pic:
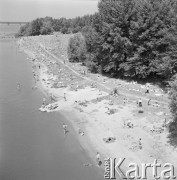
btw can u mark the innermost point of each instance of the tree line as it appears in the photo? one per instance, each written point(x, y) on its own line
point(126, 38)
point(135, 38)
point(48, 25)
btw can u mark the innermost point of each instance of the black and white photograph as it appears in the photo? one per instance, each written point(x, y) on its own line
point(88, 89)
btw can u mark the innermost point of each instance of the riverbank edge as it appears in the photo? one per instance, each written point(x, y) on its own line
point(70, 116)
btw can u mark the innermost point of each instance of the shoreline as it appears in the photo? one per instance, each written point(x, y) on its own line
point(91, 114)
point(70, 115)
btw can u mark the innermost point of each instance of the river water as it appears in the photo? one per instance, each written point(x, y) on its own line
point(32, 144)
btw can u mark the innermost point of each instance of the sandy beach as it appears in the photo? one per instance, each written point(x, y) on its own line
point(106, 122)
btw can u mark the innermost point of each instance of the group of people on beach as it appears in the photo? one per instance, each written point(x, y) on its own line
point(65, 129)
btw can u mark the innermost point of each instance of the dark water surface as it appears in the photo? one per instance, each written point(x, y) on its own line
point(32, 143)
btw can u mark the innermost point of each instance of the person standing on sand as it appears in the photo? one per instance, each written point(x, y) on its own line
point(164, 123)
point(65, 128)
point(147, 90)
point(140, 103)
point(98, 158)
point(44, 101)
point(51, 98)
point(64, 96)
point(149, 102)
point(140, 144)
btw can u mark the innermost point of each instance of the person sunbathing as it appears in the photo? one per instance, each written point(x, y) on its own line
point(109, 139)
point(129, 124)
point(81, 132)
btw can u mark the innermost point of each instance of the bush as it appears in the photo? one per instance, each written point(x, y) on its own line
point(46, 30)
point(77, 48)
point(64, 30)
point(76, 29)
point(89, 62)
point(92, 66)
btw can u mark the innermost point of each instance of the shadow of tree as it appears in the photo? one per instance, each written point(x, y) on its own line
point(155, 80)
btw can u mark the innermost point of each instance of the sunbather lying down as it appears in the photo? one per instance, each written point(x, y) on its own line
point(111, 111)
point(156, 104)
point(157, 129)
point(128, 124)
point(109, 139)
point(54, 106)
point(81, 132)
point(48, 107)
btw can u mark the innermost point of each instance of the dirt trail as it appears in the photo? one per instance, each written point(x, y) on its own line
point(93, 81)
point(88, 79)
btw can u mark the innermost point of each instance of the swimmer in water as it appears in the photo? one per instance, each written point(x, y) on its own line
point(18, 87)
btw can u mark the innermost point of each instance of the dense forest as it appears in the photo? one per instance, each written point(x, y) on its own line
point(126, 38)
point(48, 25)
point(134, 38)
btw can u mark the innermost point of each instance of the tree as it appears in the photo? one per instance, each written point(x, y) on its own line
point(34, 27)
point(153, 36)
point(77, 48)
point(115, 45)
point(137, 38)
point(47, 26)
